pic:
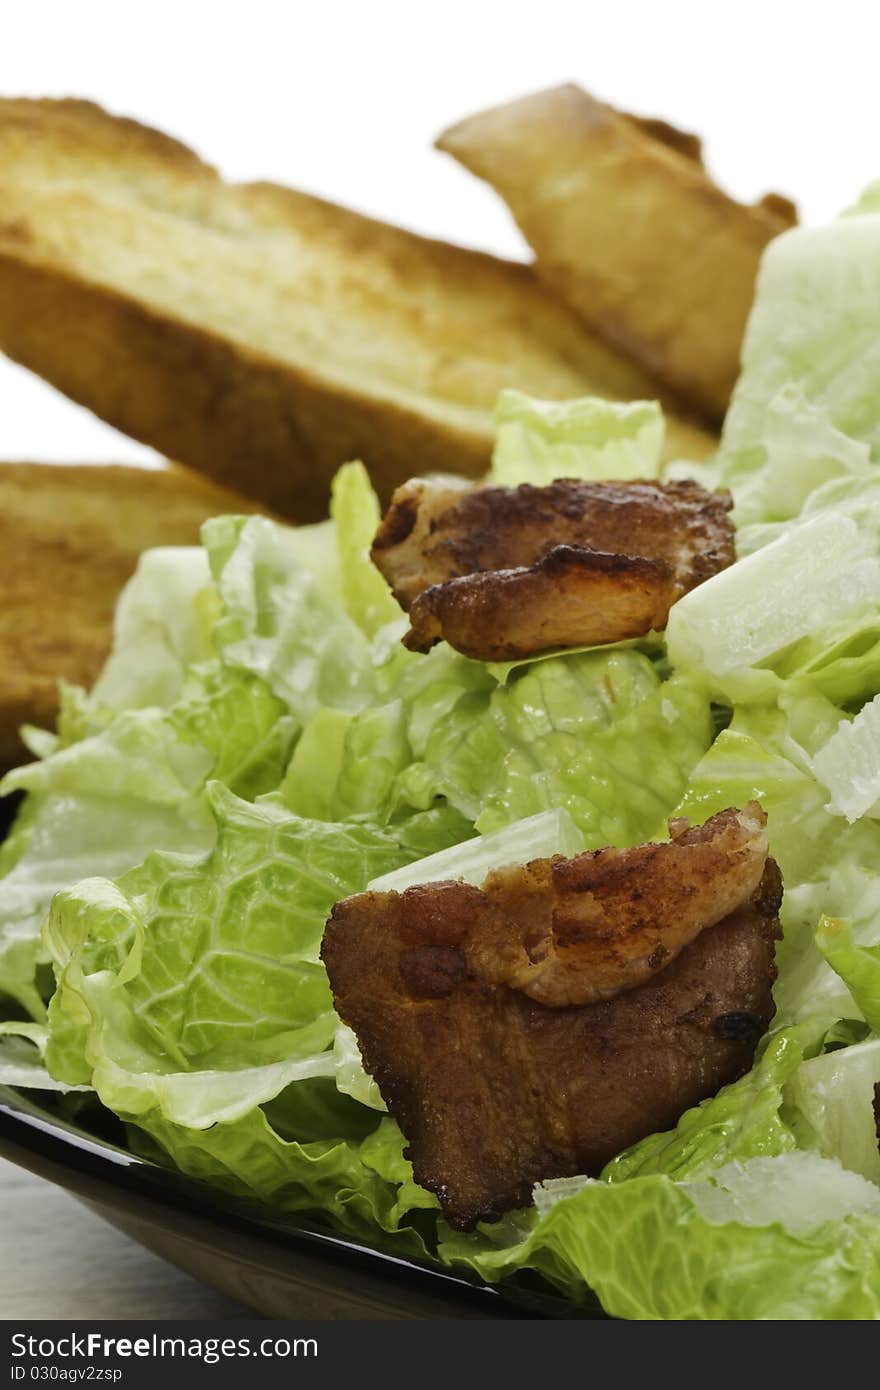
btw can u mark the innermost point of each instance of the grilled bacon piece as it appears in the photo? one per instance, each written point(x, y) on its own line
point(503, 573)
point(537, 1026)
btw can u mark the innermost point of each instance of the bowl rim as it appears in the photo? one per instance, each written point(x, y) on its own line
point(98, 1170)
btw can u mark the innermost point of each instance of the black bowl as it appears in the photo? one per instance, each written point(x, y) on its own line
point(255, 1255)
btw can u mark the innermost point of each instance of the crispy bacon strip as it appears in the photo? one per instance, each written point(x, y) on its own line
point(573, 931)
point(536, 1027)
point(502, 573)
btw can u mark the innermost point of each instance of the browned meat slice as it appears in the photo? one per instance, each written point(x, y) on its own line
point(502, 573)
point(573, 931)
point(435, 532)
point(536, 1027)
point(572, 598)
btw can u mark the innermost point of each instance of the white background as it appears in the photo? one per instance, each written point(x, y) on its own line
point(344, 99)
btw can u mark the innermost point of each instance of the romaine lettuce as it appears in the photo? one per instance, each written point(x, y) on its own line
point(99, 805)
point(260, 745)
point(815, 325)
point(817, 573)
point(834, 1093)
point(735, 1214)
point(163, 626)
point(282, 617)
point(849, 764)
point(191, 999)
point(354, 508)
point(600, 734)
point(538, 441)
point(652, 1248)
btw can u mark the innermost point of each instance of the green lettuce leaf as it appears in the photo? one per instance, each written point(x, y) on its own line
point(342, 1182)
point(536, 837)
point(345, 766)
point(191, 998)
point(855, 961)
point(828, 865)
point(355, 509)
point(575, 732)
point(813, 325)
point(97, 806)
point(282, 613)
point(351, 1078)
point(212, 963)
point(791, 1237)
point(842, 662)
point(743, 1121)
point(820, 572)
point(840, 655)
point(849, 764)
point(163, 625)
point(802, 451)
point(834, 1093)
point(100, 805)
point(22, 1053)
point(538, 441)
point(239, 722)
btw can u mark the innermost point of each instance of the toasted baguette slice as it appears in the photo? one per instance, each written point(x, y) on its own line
point(630, 230)
point(70, 536)
point(686, 142)
point(259, 334)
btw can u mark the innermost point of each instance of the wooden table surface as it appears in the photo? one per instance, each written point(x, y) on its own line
point(59, 1260)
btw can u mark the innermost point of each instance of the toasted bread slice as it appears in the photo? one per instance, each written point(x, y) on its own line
point(261, 335)
point(630, 230)
point(70, 536)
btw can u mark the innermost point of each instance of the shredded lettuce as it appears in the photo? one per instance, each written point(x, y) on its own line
point(538, 441)
point(281, 613)
point(834, 1093)
point(813, 575)
point(849, 764)
point(600, 734)
point(260, 745)
point(355, 510)
point(814, 326)
point(163, 626)
point(652, 1248)
point(22, 1054)
point(536, 837)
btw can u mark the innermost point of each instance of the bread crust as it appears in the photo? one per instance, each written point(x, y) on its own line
point(129, 272)
point(630, 230)
point(70, 537)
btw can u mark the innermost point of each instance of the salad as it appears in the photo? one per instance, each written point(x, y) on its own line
point(261, 745)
